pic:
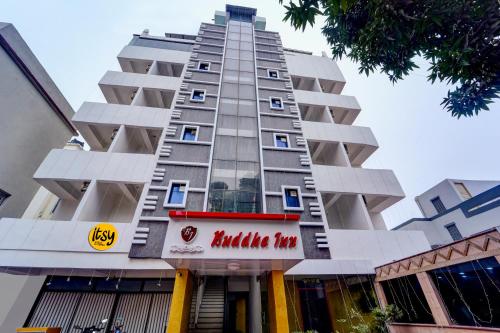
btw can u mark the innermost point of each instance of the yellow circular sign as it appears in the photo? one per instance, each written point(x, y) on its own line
point(103, 236)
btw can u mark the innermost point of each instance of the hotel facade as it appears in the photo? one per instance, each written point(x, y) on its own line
point(223, 192)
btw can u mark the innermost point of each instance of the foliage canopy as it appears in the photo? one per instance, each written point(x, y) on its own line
point(459, 38)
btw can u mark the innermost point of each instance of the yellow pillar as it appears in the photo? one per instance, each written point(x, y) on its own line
point(278, 315)
point(241, 317)
point(180, 307)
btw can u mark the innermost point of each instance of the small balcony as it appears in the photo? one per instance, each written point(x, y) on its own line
point(324, 69)
point(315, 113)
point(380, 188)
point(305, 83)
point(135, 140)
point(99, 122)
point(326, 139)
point(110, 202)
point(64, 172)
point(139, 89)
point(344, 109)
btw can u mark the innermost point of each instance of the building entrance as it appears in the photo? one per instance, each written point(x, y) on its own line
point(224, 304)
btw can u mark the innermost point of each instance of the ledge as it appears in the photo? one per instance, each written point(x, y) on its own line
point(233, 216)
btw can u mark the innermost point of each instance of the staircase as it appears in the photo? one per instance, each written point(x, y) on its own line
point(211, 314)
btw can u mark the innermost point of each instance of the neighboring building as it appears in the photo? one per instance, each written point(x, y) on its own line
point(456, 208)
point(223, 191)
point(453, 288)
point(34, 118)
point(18, 290)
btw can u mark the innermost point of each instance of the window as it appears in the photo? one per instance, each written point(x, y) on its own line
point(276, 103)
point(292, 198)
point(176, 194)
point(281, 140)
point(204, 66)
point(189, 133)
point(3, 196)
point(463, 191)
point(438, 204)
point(198, 95)
point(272, 73)
point(453, 231)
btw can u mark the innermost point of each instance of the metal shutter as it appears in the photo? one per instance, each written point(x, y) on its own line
point(55, 309)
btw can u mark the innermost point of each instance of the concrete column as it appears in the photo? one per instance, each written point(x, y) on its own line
point(278, 315)
point(178, 319)
point(434, 300)
point(255, 305)
point(379, 291)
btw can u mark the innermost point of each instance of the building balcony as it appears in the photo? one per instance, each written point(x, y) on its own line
point(133, 58)
point(359, 142)
point(139, 89)
point(379, 188)
point(98, 122)
point(67, 172)
point(344, 109)
point(327, 72)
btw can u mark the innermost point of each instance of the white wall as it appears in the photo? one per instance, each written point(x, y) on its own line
point(29, 128)
point(437, 234)
point(360, 251)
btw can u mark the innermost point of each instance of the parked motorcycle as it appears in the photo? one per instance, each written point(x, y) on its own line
point(118, 326)
point(93, 328)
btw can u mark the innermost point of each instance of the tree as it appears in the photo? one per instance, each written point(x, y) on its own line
point(459, 38)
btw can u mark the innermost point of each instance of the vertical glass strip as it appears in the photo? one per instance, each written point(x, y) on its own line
point(235, 176)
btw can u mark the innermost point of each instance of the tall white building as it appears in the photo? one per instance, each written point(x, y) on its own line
point(225, 173)
point(455, 209)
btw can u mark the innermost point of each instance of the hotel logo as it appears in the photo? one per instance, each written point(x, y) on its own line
point(188, 233)
point(103, 236)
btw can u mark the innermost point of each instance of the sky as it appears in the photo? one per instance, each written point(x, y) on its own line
point(77, 42)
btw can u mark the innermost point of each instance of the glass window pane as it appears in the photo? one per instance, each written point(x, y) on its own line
point(248, 176)
point(233, 44)
point(230, 76)
point(234, 28)
point(246, 37)
point(247, 46)
point(229, 90)
point(225, 148)
point(246, 91)
point(223, 175)
point(247, 127)
point(247, 108)
point(281, 141)
point(233, 36)
point(177, 194)
point(292, 198)
point(247, 78)
point(189, 134)
point(227, 125)
point(231, 64)
point(246, 55)
point(248, 149)
point(246, 30)
point(247, 66)
point(235, 54)
point(228, 106)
